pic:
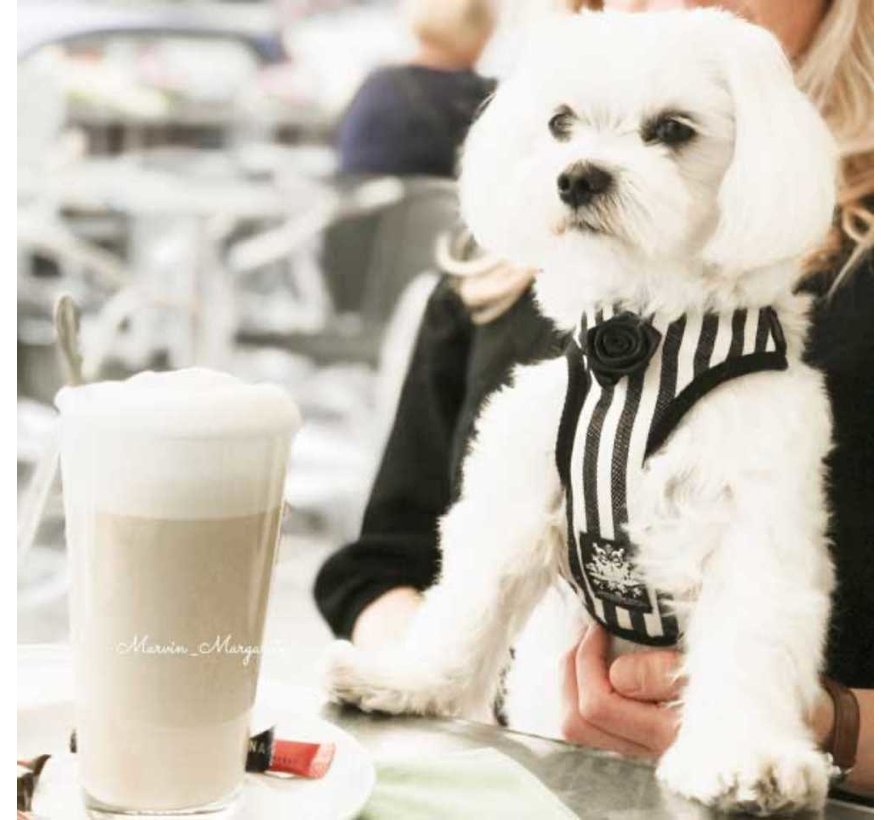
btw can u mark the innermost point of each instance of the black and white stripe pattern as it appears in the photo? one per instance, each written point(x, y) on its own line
point(607, 433)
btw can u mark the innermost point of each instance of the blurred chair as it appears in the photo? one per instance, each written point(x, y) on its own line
point(377, 263)
point(368, 257)
point(370, 261)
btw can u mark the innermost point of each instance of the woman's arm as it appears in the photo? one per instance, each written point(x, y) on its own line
point(397, 547)
point(386, 618)
point(365, 590)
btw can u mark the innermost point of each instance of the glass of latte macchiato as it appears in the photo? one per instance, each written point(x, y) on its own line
point(173, 487)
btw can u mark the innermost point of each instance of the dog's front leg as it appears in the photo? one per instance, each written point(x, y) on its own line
point(497, 559)
point(754, 646)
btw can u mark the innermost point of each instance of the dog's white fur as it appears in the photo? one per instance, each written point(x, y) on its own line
point(729, 517)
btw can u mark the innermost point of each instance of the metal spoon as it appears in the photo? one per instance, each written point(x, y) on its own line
point(66, 317)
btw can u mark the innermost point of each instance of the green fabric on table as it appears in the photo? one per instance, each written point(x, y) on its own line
point(479, 783)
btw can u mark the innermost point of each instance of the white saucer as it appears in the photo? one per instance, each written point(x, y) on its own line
point(339, 795)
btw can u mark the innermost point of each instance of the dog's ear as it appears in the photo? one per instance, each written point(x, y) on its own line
point(484, 160)
point(777, 197)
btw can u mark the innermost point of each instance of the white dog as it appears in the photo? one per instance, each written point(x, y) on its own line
point(666, 176)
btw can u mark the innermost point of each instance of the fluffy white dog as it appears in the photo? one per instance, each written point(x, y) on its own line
point(664, 477)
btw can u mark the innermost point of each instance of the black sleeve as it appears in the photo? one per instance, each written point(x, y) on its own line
point(842, 346)
point(397, 545)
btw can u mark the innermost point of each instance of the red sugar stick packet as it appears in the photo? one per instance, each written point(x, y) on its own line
point(311, 760)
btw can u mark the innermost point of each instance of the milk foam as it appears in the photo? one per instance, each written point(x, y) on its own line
point(186, 444)
point(194, 401)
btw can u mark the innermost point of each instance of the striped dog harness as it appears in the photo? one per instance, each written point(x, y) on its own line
point(631, 382)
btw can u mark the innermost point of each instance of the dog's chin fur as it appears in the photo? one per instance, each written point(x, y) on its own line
point(729, 516)
point(588, 270)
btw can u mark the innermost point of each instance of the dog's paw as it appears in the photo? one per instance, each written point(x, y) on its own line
point(349, 678)
point(779, 777)
point(384, 681)
point(341, 678)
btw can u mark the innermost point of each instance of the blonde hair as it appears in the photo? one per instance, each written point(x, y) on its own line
point(837, 73)
point(459, 26)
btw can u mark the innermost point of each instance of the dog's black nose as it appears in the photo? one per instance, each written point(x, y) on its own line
point(581, 182)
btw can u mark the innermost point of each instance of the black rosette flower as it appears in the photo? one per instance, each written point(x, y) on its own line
point(620, 346)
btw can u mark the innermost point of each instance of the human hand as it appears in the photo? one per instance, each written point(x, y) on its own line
point(386, 618)
point(623, 706)
point(492, 293)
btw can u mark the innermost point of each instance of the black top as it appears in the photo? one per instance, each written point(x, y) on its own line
point(408, 120)
point(842, 346)
point(455, 365)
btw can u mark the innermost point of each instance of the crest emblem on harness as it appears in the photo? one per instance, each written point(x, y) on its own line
point(611, 573)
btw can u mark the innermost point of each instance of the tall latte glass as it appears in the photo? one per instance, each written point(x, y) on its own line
point(173, 490)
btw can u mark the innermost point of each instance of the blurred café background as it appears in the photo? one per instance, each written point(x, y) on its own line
point(177, 177)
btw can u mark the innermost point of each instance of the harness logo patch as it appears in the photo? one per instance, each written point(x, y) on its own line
point(611, 573)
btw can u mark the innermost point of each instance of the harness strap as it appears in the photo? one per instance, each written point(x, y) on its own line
point(667, 419)
point(578, 385)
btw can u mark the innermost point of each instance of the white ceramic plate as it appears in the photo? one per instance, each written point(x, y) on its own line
point(339, 795)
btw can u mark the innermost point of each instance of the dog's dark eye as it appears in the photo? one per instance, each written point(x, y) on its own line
point(560, 124)
point(668, 130)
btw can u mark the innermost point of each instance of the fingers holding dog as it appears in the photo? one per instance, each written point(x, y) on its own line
point(595, 714)
point(652, 676)
point(577, 729)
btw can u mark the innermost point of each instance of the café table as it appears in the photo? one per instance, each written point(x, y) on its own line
point(593, 784)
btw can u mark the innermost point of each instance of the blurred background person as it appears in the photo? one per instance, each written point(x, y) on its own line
point(410, 119)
